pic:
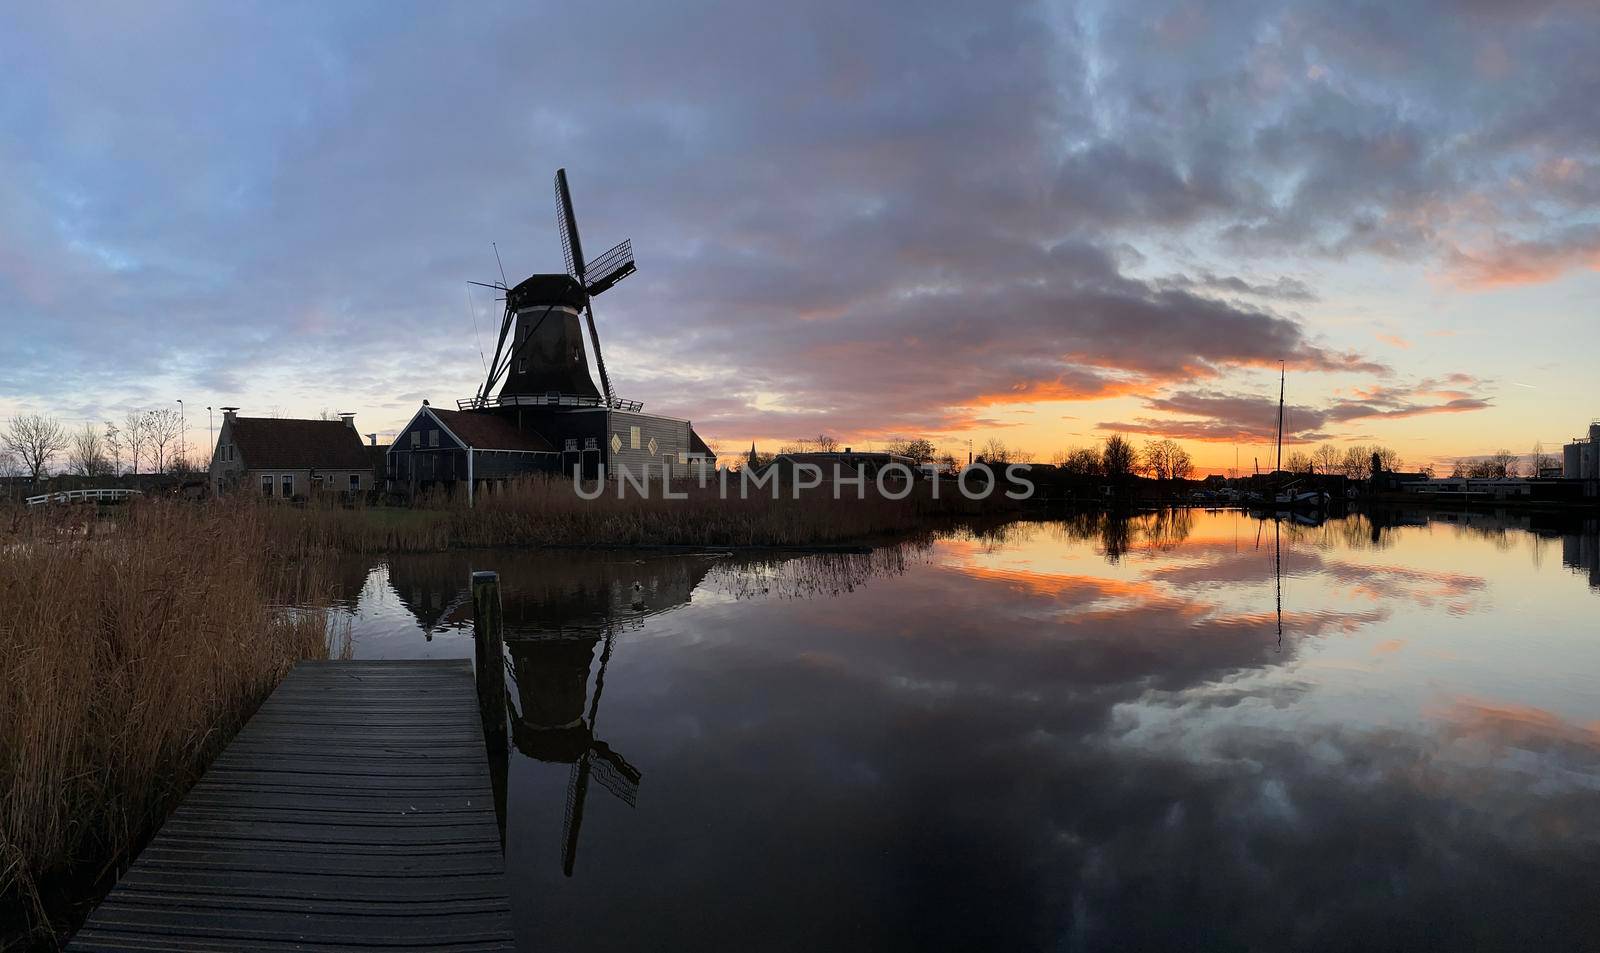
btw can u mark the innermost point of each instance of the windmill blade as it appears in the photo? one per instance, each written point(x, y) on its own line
point(577, 789)
point(567, 225)
point(615, 774)
point(599, 362)
point(610, 268)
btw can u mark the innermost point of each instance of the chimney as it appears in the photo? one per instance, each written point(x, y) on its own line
point(349, 419)
point(230, 414)
point(846, 449)
point(373, 438)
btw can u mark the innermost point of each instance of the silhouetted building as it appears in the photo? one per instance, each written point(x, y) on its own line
point(1580, 459)
point(284, 458)
point(547, 416)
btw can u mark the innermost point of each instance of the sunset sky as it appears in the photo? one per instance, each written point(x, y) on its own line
point(1037, 223)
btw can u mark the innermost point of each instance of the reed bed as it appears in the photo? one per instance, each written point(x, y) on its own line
point(547, 512)
point(130, 653)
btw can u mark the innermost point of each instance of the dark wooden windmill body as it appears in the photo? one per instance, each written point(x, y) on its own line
point(540, 352)
point(552, 416)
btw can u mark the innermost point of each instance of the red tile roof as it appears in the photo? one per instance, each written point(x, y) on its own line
point(482, 431)
point(285, 444)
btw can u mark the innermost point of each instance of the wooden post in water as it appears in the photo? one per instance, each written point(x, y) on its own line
point(489, 663)
point(488, 643)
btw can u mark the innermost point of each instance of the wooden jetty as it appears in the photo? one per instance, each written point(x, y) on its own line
point(353, 811)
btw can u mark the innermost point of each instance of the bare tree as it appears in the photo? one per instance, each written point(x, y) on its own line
point(825, 443)
point(996, 451)
point(136, 437)
point(35, 440)
point(1166, 460)
point(87, 456)
point(1503, 463)
point(1542, 462)
point(1356, 462)
point(162, 427)
point(10, 469)
point(113, 444)
point(1118, 458)
point(1182, 465)
point(1081, 462)
point(920, 450)
point(1300, 462)
point(1326, 458)
point(1462, 468)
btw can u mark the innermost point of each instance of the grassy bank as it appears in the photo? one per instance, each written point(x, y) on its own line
point(539, 512)
point(130, 652)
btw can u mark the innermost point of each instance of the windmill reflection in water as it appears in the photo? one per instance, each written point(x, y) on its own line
point(549, 721)
point(551, 640)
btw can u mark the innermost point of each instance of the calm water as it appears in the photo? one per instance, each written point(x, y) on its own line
point(1082, 735)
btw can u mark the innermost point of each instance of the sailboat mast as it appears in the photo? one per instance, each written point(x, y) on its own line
point(1280, 416)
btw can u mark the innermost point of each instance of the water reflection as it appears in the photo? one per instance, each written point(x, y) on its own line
point(1581, 552)
point(549, 723)
point(1196, 730)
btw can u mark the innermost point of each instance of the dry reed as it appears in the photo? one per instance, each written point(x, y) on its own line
point(130, 652)
point(546, 512)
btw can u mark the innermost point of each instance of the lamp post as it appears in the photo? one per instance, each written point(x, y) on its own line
point(182, 433)
point(211, 436)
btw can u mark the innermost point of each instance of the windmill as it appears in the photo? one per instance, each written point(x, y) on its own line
point(546, 356)
point(559, 668)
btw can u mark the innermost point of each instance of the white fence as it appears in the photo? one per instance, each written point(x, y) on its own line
point(83, 496)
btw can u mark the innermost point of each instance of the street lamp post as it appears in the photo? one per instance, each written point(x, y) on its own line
point(211, 436)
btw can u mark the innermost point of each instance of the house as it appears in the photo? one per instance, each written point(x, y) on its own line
point(442, 448)
point(283, 458)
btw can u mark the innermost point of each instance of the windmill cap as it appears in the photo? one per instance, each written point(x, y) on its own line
point(545, 290)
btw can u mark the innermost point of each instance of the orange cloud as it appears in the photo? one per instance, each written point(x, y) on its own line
point(1524, 263)
point(1087, 388)
point(1395, 340)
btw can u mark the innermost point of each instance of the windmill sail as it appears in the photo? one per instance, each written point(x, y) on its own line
point(572, 250)
point(610, 268)
point(614, 773)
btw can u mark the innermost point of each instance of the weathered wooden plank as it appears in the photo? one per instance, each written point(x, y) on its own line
point(309, 887)
point(353, 812)
point(343, 906)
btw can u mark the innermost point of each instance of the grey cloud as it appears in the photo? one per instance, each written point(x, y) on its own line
point(889, 218)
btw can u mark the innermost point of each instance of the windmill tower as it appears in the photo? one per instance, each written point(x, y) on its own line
point(539, 357)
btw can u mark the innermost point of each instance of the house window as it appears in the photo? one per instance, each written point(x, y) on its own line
point(355, 482)
point(522, 365)
point(286, 486)
point(433, 438)
point(416, 438)
point(266, 485)
point(570, 445)
point(633, 438)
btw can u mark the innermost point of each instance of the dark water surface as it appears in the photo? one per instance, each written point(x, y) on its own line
point(1085, 735)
